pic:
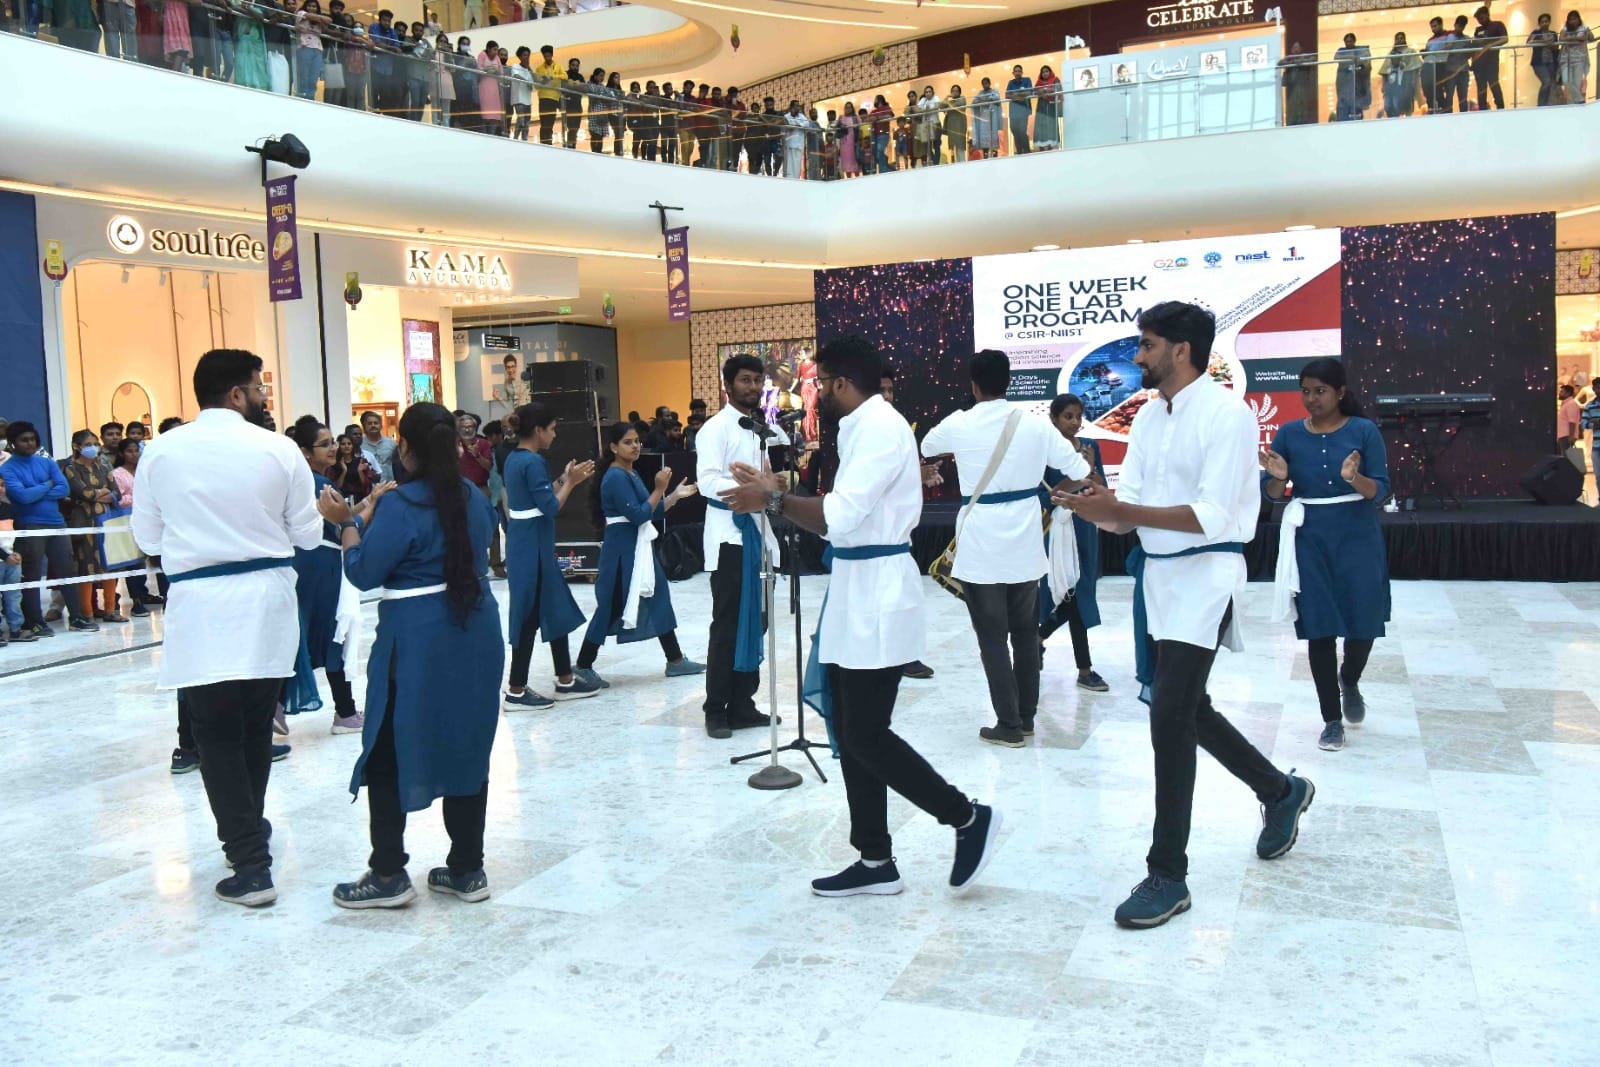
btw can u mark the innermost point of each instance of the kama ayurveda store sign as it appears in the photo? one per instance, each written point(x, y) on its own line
point(460, 269)
point(1200, 14)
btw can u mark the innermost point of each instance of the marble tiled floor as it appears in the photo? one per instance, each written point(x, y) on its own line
point(1442, 907)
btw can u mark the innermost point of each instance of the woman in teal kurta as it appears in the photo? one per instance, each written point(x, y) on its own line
point(540, 600)
point(434, 672)
point(627, 509)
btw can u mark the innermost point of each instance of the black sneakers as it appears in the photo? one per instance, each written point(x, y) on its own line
point(717, 727)
point(471, 887)
point(1005, 736)
point(974, 845)
point(1355, 706)
point(185, 760)
point(252, 889)
point(858, 878)
point(749, 719)
point(916, 669)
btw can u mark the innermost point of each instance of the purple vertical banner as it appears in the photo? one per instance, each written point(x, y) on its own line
point(678, 273)
point(283, 242)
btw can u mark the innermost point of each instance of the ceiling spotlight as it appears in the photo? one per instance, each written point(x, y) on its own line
point(1136, 240)
point(288, 150)
point(1298, 227)
point(1044, 248)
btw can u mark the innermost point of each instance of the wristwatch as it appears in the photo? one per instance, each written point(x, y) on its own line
point(775, 502)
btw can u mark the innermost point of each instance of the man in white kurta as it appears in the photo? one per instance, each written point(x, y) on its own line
point(873, 620)
point(1189, 486)
point(224, 504)
point(722, 442)
point(1000, 553)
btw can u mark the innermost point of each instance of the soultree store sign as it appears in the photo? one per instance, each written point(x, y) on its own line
point(1200, 14)
point(128, 236)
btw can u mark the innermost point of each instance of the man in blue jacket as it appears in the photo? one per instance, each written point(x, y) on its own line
point(36, 487)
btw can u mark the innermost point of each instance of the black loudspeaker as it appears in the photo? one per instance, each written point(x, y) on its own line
point(568, 375)
point(574, 441)
point(1554, 480)
point(567, 407)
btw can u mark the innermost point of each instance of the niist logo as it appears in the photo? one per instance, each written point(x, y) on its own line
point(1177, 263)
point(125, 234)
point(1252, 257)
point(457, 270)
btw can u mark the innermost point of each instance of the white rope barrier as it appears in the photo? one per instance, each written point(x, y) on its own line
point(50, 583)
point(60, 531)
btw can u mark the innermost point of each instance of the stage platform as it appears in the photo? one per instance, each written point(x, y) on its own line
point(1483, 541)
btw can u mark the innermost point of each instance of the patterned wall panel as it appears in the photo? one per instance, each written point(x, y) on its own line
point(708, 329)
point(848, 75)
point(1577, 271)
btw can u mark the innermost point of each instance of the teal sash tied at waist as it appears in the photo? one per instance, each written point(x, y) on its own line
point(1143, 654)
point(222, 570)
point(747, 650)
point(816, 689)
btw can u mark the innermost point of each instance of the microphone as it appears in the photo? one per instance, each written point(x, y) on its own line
point(757, 427)
point(789, 418)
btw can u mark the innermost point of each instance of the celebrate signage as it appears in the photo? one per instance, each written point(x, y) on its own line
point(128, 236)
point(439, 269)
point(1198, 14)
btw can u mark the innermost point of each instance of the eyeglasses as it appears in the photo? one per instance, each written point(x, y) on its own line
point(824, 378)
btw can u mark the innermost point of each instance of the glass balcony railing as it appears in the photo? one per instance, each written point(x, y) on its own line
point(464, 16)
point(448, 80)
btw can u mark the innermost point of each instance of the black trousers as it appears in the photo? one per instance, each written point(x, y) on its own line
point(1181, 716)
point(463, 816)
point(874, 759)
point(571, 122)
point(728, 692)
point(42, 555)
point(1486, 75)
point(522, 653)
point(185, 725)
point(1002, 613)
point(232, 727)
point(1326, 673)
point(1067, 612)
point(548, 110)
point(588, 652)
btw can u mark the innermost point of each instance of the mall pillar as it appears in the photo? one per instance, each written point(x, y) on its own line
point(24, 391)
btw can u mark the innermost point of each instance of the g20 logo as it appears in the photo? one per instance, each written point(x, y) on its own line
point(1177, 263)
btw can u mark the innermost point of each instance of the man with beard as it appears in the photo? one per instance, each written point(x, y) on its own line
point(733, 547)
point(872, 620)
point(1189, 486)
point(223, 504)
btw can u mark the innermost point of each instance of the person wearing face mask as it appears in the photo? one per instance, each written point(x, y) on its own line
point(89, 495)
point(232, 625)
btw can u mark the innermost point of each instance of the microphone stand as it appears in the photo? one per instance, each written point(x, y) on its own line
point(801, 743)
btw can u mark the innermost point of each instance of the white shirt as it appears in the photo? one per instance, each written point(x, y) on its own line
point(1002, 543)
point(1201, 454)
point(721, 443)
point(521, 84)
point(219, 490)
point(874, 616)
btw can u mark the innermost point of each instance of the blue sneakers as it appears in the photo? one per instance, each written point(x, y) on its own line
point(1355, 706)
point(589, 675)
point(858, 878)
point(527, 700)
point(371, 891)
point(1281, 819)
point(974, 846)
point(280, 753)
point(577, 689)
point(1153, 901)
point(684, 667)
point(471, 887)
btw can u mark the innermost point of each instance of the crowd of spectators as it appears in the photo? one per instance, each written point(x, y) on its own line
point(41, 493)
point(1435, 79)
